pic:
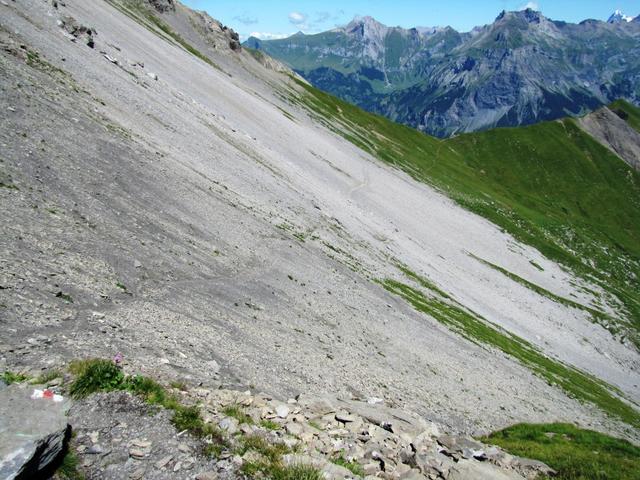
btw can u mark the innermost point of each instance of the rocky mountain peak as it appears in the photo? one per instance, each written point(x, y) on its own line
point(254, 43)
point(367, 27)
point(619, 17)
point(528, 15)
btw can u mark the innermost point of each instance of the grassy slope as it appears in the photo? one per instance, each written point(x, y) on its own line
point(550, 185)
point(574, 453)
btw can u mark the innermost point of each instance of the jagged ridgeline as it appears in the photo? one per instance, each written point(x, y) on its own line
point(522, 69)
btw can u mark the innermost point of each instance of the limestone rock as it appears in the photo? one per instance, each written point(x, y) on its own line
point(469, 469)
point(230, 425)
point(282, 411)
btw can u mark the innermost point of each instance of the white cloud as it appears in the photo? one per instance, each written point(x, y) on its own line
point(532, 5)
point(269, 36)
point(297, 18)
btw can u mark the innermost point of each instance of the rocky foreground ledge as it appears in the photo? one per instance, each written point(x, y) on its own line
point(119, 435)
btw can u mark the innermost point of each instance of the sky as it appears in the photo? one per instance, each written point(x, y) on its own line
point(282, 18)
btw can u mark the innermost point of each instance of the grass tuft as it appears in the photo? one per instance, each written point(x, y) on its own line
point(189, 418)
point(237, 412)
point(270, 425)
point(353, 466)
point(11, 377)
point(47, 377)
point(276, 471)
point(93, 376)
point(272, 451)
point(69, 469)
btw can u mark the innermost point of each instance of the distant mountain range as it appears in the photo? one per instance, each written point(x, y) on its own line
point(521, 69)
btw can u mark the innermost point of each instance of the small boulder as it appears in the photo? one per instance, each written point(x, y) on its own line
point(33, 432)
point(294, 428)
point(282, 411)
point(230, 425)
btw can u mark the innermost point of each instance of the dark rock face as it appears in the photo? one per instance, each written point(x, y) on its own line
point(522, 69)
point(163, 5)
point(234, 40)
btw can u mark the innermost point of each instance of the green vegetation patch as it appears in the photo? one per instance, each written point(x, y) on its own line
point(270, 425)
point(237, 412)
point(473, 327)
point(69, 468)
point(8, 186)
point(11, 377)
point(93, 376)
point(47, 377)
point(269, 464)
point(353, 466)
point(549, 185)
point(574, 453)
point(629, 113)
point(279, 472)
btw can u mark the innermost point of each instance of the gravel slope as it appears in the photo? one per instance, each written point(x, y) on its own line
point(155, 218)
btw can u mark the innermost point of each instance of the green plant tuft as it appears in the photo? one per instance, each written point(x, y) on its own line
point(69, 469)
point(270, 425)
point(11, 377)
point(353, 466)
point(237, 412)
point(188, 418)
point(95, 375)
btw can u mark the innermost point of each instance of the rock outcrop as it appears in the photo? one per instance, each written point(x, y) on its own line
point(344, 439)
point(610, 129)
point(163, 5)
point(33, 432)
point(382, 441)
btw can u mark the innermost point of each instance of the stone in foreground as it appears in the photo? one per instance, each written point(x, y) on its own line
point(33, 432)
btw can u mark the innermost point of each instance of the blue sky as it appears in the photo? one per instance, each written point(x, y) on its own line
point(285, 17)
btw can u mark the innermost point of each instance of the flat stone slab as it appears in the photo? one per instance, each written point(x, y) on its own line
point(33, 431)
